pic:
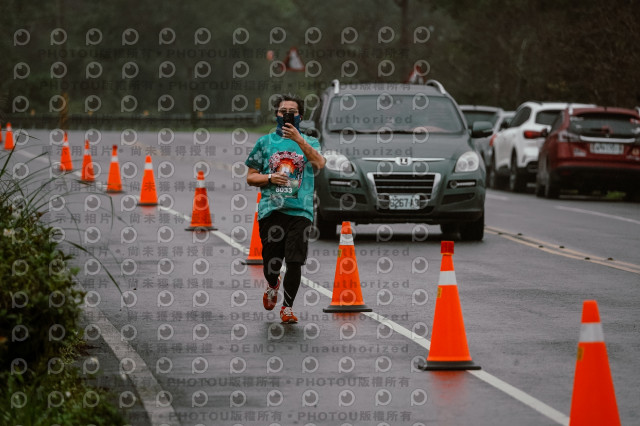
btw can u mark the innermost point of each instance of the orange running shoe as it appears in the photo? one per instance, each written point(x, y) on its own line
point(270, 297)
point(286, 315)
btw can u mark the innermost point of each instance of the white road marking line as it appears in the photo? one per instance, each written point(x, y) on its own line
point(143, 380)
point(501, 385)
point(594, 213)
point(490, 379)
point(523, 397)
point(224, 237)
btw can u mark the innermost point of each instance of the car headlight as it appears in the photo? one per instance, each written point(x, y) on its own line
point(338, 162)
point(468, 162)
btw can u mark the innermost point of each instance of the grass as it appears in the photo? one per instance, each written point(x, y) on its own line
point(40, 308)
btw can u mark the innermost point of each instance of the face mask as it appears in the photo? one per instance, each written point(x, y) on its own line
point(280, 121)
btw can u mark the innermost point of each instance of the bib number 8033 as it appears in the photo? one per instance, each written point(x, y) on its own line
point(284, 189)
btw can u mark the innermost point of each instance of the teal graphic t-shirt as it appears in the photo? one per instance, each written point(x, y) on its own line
point(274, 154)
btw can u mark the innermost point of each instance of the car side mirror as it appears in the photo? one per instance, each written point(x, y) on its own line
point(504, 125)
point(308, 128)
point(481, 129)
point(544, 132)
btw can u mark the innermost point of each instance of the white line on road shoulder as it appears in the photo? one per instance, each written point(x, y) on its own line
point(501, 385)
point(521, 396)
point(148, 387)
point(490, 379)
point(594, 213)
point(143, 380)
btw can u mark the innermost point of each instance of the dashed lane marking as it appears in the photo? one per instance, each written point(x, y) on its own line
point(562, 251)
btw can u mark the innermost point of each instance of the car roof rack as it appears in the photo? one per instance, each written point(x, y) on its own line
point(336, 86)
point(437, 85)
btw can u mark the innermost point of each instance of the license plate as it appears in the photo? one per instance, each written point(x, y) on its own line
point(606, 148)
point(404, 202)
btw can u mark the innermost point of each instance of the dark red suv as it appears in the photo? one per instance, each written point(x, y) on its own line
point(587, 149)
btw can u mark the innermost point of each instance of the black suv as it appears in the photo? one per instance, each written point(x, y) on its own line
point(397, 153)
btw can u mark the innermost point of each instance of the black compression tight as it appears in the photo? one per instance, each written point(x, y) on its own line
point(291, 279)
point(291, 282)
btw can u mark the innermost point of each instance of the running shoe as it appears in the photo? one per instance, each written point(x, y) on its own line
point(286, 315)
point(270, 297)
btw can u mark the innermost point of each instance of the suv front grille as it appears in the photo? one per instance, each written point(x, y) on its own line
point(404, 183)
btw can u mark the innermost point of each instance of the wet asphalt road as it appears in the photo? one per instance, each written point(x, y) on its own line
point(194, 313)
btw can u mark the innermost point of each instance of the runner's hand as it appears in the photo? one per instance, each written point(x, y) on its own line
point(279, 179)
point(290, 132)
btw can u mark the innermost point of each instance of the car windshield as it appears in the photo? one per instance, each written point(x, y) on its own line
point(605, 124)
point(473, 116)
point(397, 113)
point(547, 117)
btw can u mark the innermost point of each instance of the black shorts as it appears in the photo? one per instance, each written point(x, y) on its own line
point(284, 236)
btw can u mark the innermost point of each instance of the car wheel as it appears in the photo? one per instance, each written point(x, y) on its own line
point(539, 188)
point(326, 229)
point(585, 191)
point(472, 231)
point(449, 228)
point(516, 180)
point(552, 190)
point(489, 172)
point(494, 180)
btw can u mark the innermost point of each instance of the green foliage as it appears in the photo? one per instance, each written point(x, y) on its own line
point(39, 312)
point(518, 50)
point(35, 272)
point(487, 51)
point(37, 284)
point(42, 398)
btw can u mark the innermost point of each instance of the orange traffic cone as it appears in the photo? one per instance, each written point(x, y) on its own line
point(114, 183)
point(255, 249)
point(8, 140)
point(201, 216)
point(87, 175)
point(148, 194)
point(66, 164)
point(594, 399)
point(347, 294)
point(449, 350)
